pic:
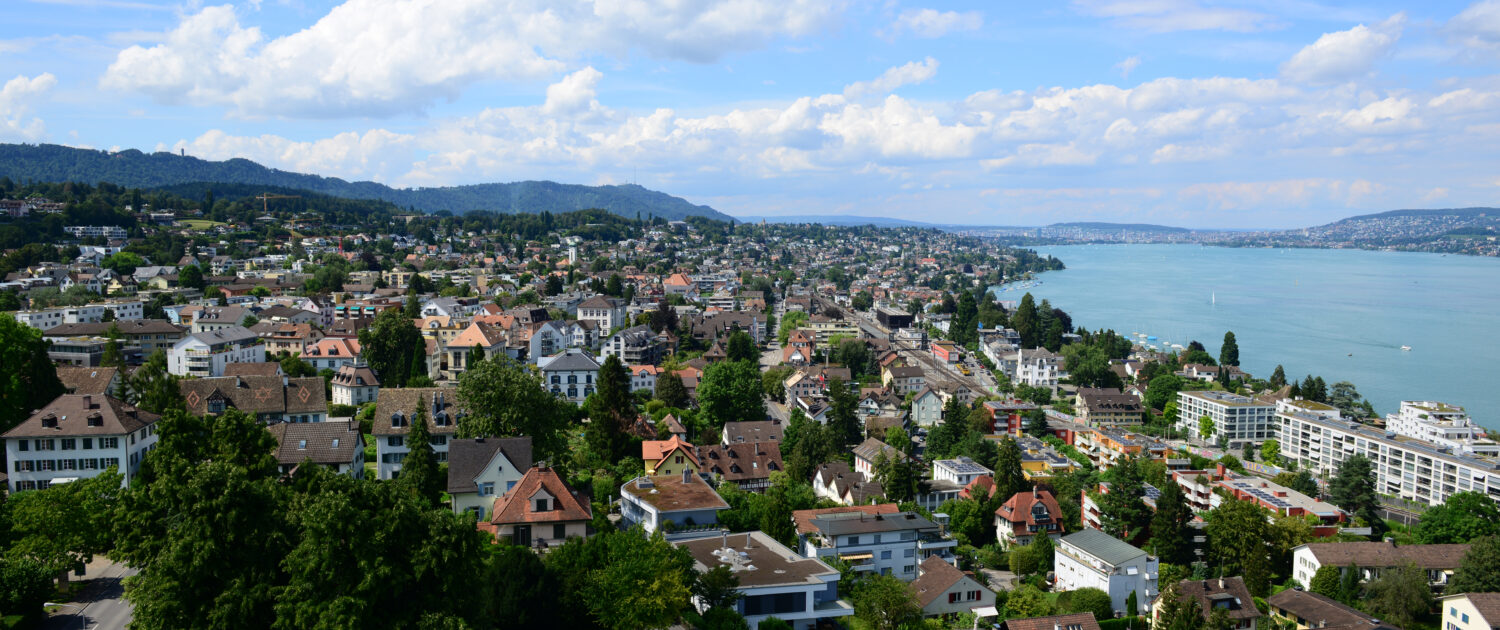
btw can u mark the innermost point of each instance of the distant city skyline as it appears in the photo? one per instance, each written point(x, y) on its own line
point(1191, 113)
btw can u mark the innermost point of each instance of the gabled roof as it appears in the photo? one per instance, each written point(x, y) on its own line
point(268, 368)
point(405, 401)
point(1323, 612)
point(1085, 620)
point(937, 577)
point(870, 450)
point(741, 462)
point(1111, 550)
point(325, 443)
point(1229, 593)
point(87, 380)
point(256, 394)
point(1018, 509)
point(468, 458)
point(571, 362)
point(479, 334)
point(70, 414)
point(516, 506)
point(1388, 554)
point(657, 450)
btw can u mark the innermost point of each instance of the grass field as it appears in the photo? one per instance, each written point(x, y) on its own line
point(200, 224)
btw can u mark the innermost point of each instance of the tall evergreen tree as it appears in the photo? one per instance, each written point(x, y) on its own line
point(1278, 377)
point(1171, 537)
point(1009, 477)
point(419, 470)
point(1353, 488)
point(611, 411)
point(1237, 535)
point(1229, 353)
point(843, 413)
point(1122, 512)
point(1027, 322)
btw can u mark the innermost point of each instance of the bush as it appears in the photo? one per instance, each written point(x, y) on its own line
point(342, 411)
point(1023, 561)
point(1091, 600)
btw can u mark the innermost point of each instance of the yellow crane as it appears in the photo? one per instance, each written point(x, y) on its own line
point(265, 200)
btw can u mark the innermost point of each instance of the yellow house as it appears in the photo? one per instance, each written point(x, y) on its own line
point(668, 457)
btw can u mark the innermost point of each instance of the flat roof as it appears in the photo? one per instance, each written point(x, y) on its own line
point(668, 493)
point(758, 560)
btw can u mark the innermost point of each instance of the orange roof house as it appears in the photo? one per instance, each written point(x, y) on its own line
point(668, 457)
point(540, 511)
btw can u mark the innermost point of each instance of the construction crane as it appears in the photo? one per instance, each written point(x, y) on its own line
point(265, 206)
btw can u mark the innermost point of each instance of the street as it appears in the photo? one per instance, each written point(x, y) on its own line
point(100, 604)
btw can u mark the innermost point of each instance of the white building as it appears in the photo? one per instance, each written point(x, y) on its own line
point(205, 354)
point(49, 318)
point(396, 409)
point(1442, 424)
point(1318, 439)
point(354, 384)
point(1237, 419)
point(889, 544)
point(1036, 367)
point(774, 580)
point(605, 311)
point(1094, 559)
point(684, 500)
point(96, 231)
point(569, 374)
point(1470, 611)
point(77, 436)
point(483, 469)
point(961, 470)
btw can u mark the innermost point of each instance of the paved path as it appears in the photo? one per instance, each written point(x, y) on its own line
point(100, 604)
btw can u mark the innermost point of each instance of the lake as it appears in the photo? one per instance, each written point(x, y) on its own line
point(1339, 314)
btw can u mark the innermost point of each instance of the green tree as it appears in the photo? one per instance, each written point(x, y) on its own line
point(292, 365)
point(1090, 600)
point(792, 320)
point(1229, 352)
point(1278, 377)
point(622, 580)
point(1400, 595)
point(1464, 517)
point(1479, 571)
point(1132, 605)
point(1326, 581)
point(776, 508)
point(30, 379)
point(1027, 322)
point(1122, 512)
point(1350, 588)
point(153, 388)
point(1171, 535)
point(670, 390)
point(393, 347)
point(518, 589)
point(114, 355)
point(883, 602)
point(1353, 488)
point(611, 410)
point(1270, 451)
point(718, 587)
point(741, 347)
point(191, 277)
point(505, 399)
point(730, 391)
point(64, 526)
point(1027, 602)
point(1009, 477)
point(1162, 390)
point(1237, 535)
point(862, 301)
point(1205, 427)
point(419, 469)
point(843, 413)
point(25, 584)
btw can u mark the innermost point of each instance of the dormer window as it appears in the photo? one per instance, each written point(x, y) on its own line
point(542, 505)
point(398, 419)
point(49, 421)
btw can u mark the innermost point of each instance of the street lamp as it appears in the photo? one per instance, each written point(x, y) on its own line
point(82, 621)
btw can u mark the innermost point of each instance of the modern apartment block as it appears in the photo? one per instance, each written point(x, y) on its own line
point(1317, 438)
point(1237, 419)
point(1443, 424)
point(888, 544)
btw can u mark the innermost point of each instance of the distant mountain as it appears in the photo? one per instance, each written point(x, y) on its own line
point(1462, 213)
point(1119, 227)
point(840, 219)
point(136, 169)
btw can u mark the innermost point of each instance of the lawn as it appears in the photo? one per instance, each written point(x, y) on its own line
point(201, 224)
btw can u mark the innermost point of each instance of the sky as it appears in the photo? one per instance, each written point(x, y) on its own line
point(1197, 113)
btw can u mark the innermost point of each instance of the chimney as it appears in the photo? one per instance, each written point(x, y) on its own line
point(1221, 582)
point(687, 476)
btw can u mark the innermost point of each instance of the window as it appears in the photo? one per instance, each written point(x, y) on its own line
point(69, 444)
point(24, 445)
point(953, 598)
point(109, 442)
point(908, 553)
point(395, 441)
point(559, 531)
point(88, 443)
point(885, 555)
point(1464, 617)
point(44, 445)
point(852, 540)
point(541, 505)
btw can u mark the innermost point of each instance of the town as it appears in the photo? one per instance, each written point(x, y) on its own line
point(288, 417)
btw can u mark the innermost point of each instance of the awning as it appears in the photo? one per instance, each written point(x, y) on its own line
point(985, 611)
point(855, 557)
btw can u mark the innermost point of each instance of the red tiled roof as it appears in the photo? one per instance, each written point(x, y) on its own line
point(516, 505)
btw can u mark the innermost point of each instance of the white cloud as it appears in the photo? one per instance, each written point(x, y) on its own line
point(1128, 66)
point(1164, 16)
point(18, 98)
point(576, 91)
point(1478, 26)
point(910, 74)
point(378, 57)
point(374, 155)
point(1344, 55)
point(931, 23)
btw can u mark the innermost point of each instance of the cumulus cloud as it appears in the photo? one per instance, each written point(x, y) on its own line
point(1478, 26)
point(378, 57)
point(374, 155)
point(1165, 16)
point(18, 99)
point(1344, 55)
point(910, 74)
point(931, 23)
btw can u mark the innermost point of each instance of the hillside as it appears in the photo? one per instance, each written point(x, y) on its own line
point(1462, 213)
point(136, 169)
point(1118, 227)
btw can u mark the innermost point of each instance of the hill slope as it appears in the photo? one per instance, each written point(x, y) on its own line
point(136, 169)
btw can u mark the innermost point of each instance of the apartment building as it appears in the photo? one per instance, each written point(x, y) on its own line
point(204, 354)
point(1094, 559)
point(1318, 439)
point(774, 580)
point(77, 436)
point(396, 409)
point(1236, 419)
point(888, 544)
point(1443, 424)
point(1106, 407)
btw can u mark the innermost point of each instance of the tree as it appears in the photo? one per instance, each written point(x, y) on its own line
point(1353, 488)
point(1088, 366)
point(191, 277)
point(730, 391)
point(1009, 478)
point(30, 379)
point(1026, 322)
point(611, 410)
point(1162, 390)
point(1027, 602)
point(1132, 605)
point(64, 526)
point(843, 413)
point(1326, 581)
point(853, 354)
point(622, 580)
point(419, 470)
point(1346, 397)
point(1278, 377)
point(1270, 451)
point(1088, 600)
point(664, 317)
point(1229, 352)
point(883, 602)
point(670, 390)
point(723, 619)
point(517, 588)
point(1036, 424)
point(293, 366)
point(718, 587)
point(153, 388)
point(1171, 537)
point(898, 477)
point(862, 301)
point(1237, 535)
point(114, 355)
point(1205, 427)
point(25, 584)
point(393, 347)
point(1122, 512)
point(505, 399)
point(1464, 517)
point(1479, 571)
point(741, 347)
point(1400, 595)
point(1349, 585)
point(123, 263)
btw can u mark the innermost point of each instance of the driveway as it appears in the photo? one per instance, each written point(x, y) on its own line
point(100, 604)
point(1000, 580)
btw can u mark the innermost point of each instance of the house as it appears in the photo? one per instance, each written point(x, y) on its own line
point(1228, 593)
point(489, 338)
point(1007, 417)
point(1470, 611)
point(670, 502)
point(149, 334)
point(204, 354)
point(89, 380)
point(481, 469)
point(78, 436)
point(836, 482)
point(1025, 515)
point(271, 399)
point(569, 374)
point(801, 383)
point(1306, 610)
point(288, 338)
point(643, 378)
point(748, 465)
point(757, 431)
point(1074, 621)
point(1439, 561)
point(550, 337)
point(775, 581)
point(542, 510)
point(606, 312)
point(1035, 367)
point(1094, 559)
point(867, 455)
point(668, 457)
point(219, 317)
point(960, 470)
point(355, 385)
point(887, 543)
point(332, 353)
point(677, 284)
point(337, 446)
point(636, 345)
point(288, 315)
point(903, 379)
point(927, 407)
point(942, 589)
point(798, 349)
point(396, 409)
point(1106, 406)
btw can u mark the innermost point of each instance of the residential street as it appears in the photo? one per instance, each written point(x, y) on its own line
point(100, 605)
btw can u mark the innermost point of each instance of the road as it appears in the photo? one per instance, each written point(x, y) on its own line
point(102, 601)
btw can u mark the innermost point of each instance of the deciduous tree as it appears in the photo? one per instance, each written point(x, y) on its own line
point(30, 379)
point(1237, 535)
point(505, 399)
point(730, 392)
point(1400, 595)
point(1479, 571)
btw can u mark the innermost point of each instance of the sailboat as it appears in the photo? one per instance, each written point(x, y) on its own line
point(1406, 348)
point(1213, 297)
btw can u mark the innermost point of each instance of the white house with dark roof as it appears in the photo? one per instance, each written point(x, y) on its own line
point(338, 446)
point(396, 409)
point(570, 374)
point(354, 384)
point(685, 500)
point(942, 589)
point(603, 310)
point(775, 581)
point(77, 436)
point(482, 469)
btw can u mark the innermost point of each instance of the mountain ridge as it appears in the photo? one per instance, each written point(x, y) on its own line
point(133, 168)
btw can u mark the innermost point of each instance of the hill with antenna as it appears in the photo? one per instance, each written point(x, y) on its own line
point(137, 169)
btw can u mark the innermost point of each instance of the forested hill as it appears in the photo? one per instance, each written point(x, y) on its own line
point(136, 169)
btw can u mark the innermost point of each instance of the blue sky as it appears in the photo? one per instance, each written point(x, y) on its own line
point(1201, 113)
